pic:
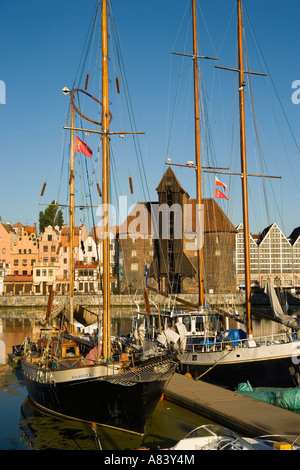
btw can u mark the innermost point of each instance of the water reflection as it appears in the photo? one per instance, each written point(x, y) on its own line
point(24, 427)
point(44, 431)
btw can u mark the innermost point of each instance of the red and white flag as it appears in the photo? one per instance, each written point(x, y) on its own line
point(219, 183)
point(218, 193)
point(81, 147)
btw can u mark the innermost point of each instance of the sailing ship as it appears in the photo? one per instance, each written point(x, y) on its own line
point(213, 354)
point(97, 379)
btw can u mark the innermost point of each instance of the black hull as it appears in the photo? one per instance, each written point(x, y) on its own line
point(278, 372)
point(123, 407)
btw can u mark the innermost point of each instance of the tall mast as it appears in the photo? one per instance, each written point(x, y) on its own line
point(105, 186)
point(244, 167)
point(72, 218)
point(198, 159)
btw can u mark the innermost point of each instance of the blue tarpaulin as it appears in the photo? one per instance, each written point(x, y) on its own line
point(233, 335)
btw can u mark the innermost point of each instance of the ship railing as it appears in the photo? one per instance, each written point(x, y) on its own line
point(207, 344)
point(278, 338)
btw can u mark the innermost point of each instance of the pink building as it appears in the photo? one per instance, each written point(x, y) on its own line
point(7, 235)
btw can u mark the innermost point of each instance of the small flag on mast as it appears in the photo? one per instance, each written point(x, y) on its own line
point(81, 147)
point(218, 193)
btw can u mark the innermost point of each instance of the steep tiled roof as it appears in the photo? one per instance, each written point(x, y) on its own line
point(8, 228)
point(170, 176)
point(215, 219)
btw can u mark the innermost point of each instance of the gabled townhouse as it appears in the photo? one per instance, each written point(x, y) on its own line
point(46, 267)
point(7, 236)
point(275, 257)
point(23, 255)
point(87, 267)
point(24, 250)
point(271, 257)
point(63, 273)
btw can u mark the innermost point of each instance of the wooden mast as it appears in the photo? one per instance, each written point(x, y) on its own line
point(244, 168)
point(72, 219)
point(198, 160)
point(105, 188)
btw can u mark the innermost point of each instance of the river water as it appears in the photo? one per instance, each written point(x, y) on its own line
point(24, 427)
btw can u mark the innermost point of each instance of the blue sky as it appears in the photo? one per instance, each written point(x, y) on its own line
point(40, 49)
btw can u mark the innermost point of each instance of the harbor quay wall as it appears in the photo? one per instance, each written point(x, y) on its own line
point(36, 301)
point(32, 307)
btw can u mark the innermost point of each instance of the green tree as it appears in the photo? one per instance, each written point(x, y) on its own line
point(51, 216)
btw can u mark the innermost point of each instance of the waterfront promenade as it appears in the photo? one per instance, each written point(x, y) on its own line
point(242, 414)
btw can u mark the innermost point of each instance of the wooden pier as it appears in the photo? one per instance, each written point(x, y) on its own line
point(247, 416)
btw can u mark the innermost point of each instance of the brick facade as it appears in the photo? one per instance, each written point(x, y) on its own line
point(167, 243)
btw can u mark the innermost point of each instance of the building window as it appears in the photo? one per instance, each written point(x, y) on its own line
point(45, 248)
point(134, 267)
point(133, 253)
point(49, 238)
point(4, 250)
point(44, 272)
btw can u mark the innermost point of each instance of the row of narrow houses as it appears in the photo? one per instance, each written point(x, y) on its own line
point(157, 244)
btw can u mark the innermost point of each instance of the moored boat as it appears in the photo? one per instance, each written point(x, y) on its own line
point(213, 353)
point(214, 437)
point(100, 379)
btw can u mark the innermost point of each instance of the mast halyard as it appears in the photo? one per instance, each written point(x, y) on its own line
point(105, 186)
point(198, 160)
point(244, 174)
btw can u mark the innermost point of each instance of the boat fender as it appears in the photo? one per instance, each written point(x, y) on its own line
point(117, 85)
point(86, 81)
point(43, 188)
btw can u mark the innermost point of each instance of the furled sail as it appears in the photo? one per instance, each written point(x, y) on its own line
point(287, 320)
